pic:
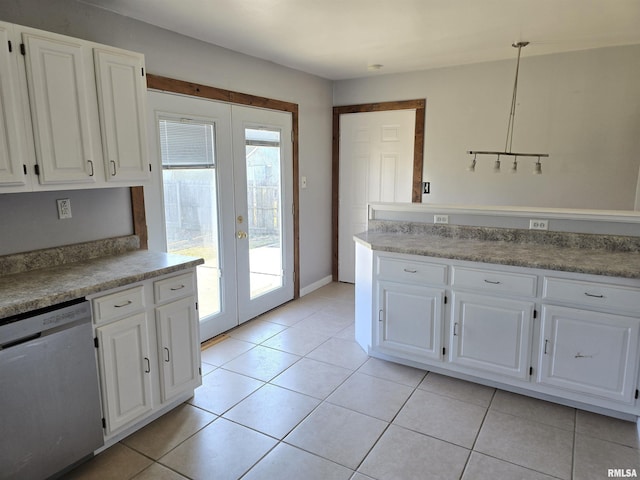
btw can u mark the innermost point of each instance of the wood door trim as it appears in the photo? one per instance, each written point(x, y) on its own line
point(173, 85)
point(418, 157)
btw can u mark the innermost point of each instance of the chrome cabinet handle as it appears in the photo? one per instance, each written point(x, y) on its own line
point(148, 365)
point(546, 342)
point(128, 302)
point(592, 295)
point(455, 329)
point(173, 289)
point(92, 171)
point(492, 282)
point(113, 162)
point(168, 357)
point(410, 271)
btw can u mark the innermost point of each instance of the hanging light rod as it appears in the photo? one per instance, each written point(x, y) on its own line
point(509, 140)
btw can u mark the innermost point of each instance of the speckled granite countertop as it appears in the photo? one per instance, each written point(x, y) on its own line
point(580, 253)
point(26, 289)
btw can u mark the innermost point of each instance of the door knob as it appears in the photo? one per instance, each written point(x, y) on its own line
point(241, 235)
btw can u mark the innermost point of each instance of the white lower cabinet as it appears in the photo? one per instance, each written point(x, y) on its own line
point(583, 350)
point(125, 368)
point(492, 334)
point(145, 365)
point(179, 347)
point(589, 352)
point(409, 320)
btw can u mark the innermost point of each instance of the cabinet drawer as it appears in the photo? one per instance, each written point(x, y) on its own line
point(174, 287)
point(118, 305)
point(495, 281)
point(411, 271)
point(576, 292)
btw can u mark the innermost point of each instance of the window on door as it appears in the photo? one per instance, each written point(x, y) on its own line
point(191, 201)
point(264, 202)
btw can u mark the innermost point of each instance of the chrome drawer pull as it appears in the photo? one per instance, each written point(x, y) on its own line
point(455, 329)
point(168, 359)
point(410, 271)
point(592, 295)
point(148, 365)
point(492, 282)
point(545, 346)
point(173, 289)
point(128, 302)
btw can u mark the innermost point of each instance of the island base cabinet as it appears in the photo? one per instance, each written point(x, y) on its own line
point(125, 371)
point(409, 321)
point(589, 352)
point(491, 334)
point(177, 327)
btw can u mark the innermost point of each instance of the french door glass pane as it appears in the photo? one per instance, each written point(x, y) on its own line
point(191, 202)
point(264, 205)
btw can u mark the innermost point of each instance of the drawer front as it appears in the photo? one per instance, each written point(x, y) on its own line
point(575, 292)
point(174, 287)
point(411, 271)
point(495, 281)
point(118, 305)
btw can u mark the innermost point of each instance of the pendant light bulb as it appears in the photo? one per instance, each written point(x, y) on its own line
point(537, 169)
point(496, 166)
point(514, 167)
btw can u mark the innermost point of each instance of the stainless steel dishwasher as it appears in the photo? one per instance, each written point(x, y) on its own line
point(49, 399)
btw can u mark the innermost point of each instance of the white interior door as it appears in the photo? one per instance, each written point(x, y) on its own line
point(214, 157)
point(376, 165)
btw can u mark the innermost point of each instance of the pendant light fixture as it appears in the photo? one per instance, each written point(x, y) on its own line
point(509, 140)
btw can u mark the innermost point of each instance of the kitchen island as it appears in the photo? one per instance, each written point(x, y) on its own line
point(552, 315)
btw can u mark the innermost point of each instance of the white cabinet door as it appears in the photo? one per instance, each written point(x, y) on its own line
point(125, 369)
point(409, 321)
point(491, 334)
point(121, 87)
point(178, 347)
point(62, 93)
point(589, 352)
point(13, 149)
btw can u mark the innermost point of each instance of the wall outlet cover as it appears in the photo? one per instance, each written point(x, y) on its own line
point(64, 208)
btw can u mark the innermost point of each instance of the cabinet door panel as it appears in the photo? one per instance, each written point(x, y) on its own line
point(12, 127)
point(589, 352)
point(125, 370)
point(178, 347)
point(410, 322)
point(121, 99)
point(57, 82)
point(492, 334)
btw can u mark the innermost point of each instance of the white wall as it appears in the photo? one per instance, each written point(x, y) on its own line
point(177, 56)
point(582, 108)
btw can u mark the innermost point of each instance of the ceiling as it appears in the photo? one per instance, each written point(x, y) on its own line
point(340, 39)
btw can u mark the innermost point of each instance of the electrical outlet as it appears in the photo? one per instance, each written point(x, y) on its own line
point(441, 219)
point(538, 224)
point(64, 208)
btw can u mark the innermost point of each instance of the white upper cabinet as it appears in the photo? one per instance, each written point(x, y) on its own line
point(13, 147)
point(77, 106)
point(121, 87)
point(63, 115)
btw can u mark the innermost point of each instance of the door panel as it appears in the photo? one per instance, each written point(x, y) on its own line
point(376, 165)
point(264, 209)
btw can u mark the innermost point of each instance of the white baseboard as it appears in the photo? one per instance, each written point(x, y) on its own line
point(316, 285)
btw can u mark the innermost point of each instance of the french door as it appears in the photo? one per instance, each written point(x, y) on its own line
point(227, 197)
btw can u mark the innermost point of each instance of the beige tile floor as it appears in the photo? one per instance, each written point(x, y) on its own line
point(290, 395)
